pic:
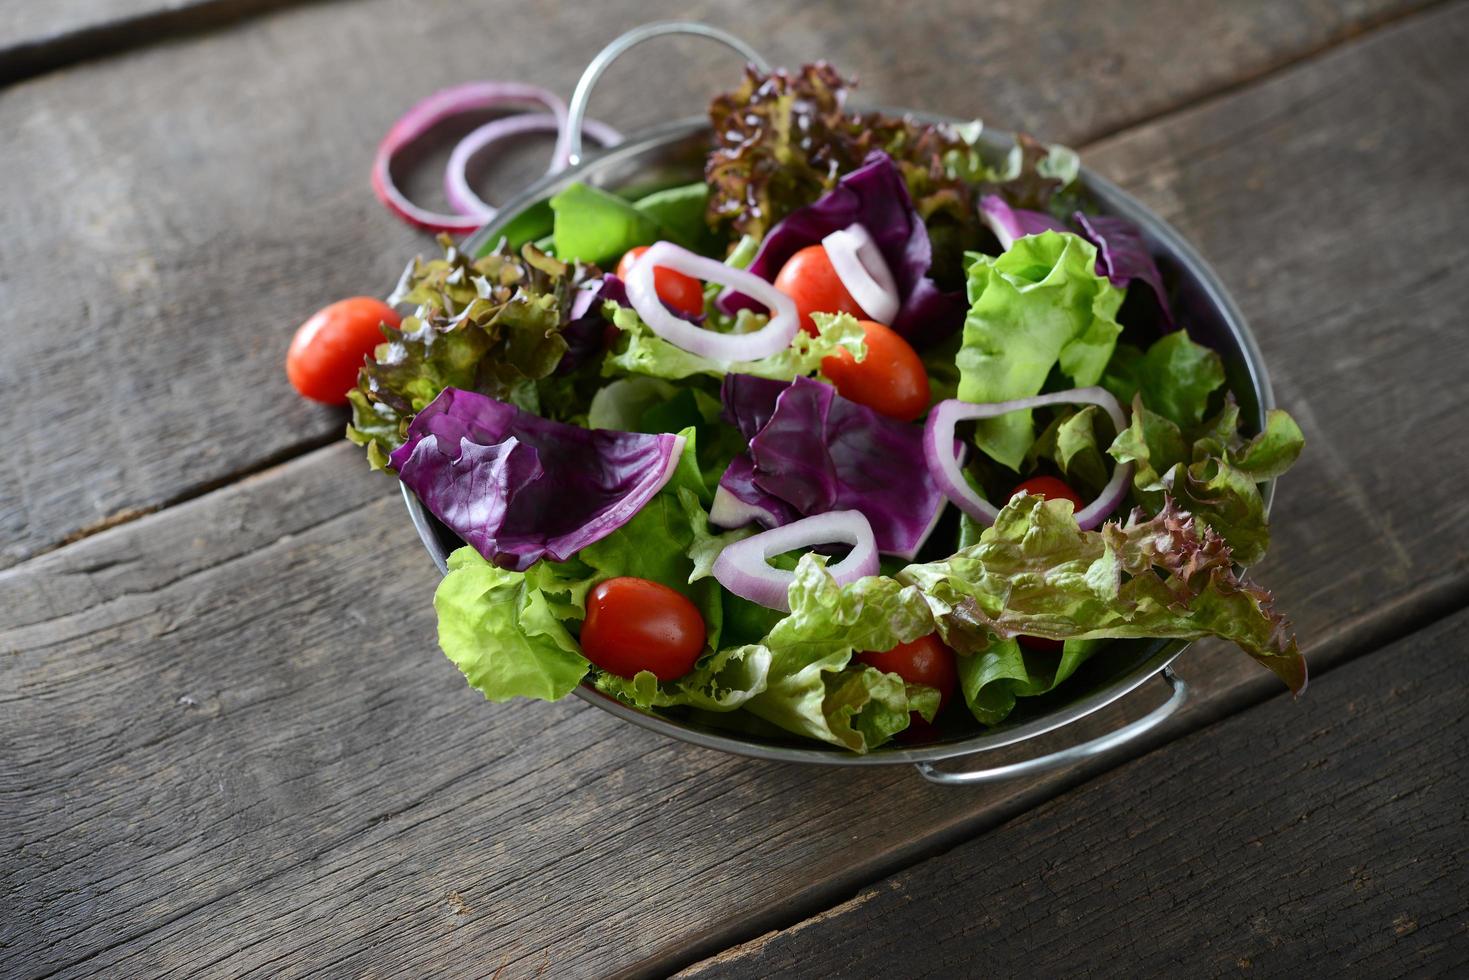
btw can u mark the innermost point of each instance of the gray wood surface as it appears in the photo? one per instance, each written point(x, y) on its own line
point(1321, 839)
point(42, 35)
point(209, 194)
point(228, 745)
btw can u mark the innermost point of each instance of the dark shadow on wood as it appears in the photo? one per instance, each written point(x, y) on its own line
point(28, 59)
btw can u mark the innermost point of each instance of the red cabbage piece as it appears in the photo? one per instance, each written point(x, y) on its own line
point(814, 451)
point(1009, 223)
point(517, 487)
point(876, 197)
point(1123, 256)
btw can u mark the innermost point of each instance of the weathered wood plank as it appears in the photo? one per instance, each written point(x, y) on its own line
point(1327, 838)
point(205, 196)
point(40, 37)
point(337, 801)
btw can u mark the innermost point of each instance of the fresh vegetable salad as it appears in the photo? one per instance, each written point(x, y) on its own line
point(866, 436)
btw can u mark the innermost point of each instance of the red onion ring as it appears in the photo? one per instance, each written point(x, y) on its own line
point(430, 112)
point(863, 271)
point(770, 339)
point(744, 567)
point(938, 442)
point(462, 197)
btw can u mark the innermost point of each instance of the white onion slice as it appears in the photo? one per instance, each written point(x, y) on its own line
point(861, 268)
point(730, 511)
point(744, 567)
point(938, 443)
point(462, 197)
point(770, 339)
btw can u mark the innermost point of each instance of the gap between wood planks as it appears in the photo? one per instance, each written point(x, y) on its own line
point(208, 14)
point(28, 59)
point(1353, 640)
point(126, 516)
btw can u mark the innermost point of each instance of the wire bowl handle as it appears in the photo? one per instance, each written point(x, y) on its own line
point(577, 110)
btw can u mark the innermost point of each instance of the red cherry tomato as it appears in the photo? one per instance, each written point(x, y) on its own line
point(633, 624)
point(1052, 489)
point(809, 279)
point(924, 661)
point(683, 293)
point(328, 349)
point(890, 379)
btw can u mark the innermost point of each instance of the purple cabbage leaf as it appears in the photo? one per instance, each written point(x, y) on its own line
point(517, 487)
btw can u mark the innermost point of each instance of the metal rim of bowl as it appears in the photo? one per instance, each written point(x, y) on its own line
point(1165, 652)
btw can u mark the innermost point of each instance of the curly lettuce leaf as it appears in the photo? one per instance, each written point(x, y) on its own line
point(1211, 470)
point(783, 139)
point(640, 351)
point(721, 681)
point(1038, 306)
point(813, 689)
point(495, 325)
point(1036, 573)
point(501, 629)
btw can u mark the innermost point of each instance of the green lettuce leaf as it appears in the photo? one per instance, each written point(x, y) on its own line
point(994, 678)
point(501, 629)
point(721, 681)
point(1039, 306)
point(1036, 573)
point(812, 688)
point(594, 226)
point(1072, 445)
point(1211, 470)
point(1178, 377)
point(680, 212)
point(640, 351)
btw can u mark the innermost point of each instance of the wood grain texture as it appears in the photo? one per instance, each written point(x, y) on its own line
point(205, 196)
point(228, 746)
point(1329, 838)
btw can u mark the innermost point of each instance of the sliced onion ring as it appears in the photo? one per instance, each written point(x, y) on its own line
point(462, 197)
point(938, 442)
point(744, 567)
point(770, 339)
point(863, 271)
point(430, 112)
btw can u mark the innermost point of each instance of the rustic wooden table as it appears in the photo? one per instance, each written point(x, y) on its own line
point(229, 747)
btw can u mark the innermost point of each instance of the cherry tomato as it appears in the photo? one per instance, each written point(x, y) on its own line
point(809, 279)
point(633, 624)
point(328, 349)
point(890, 379)
point(683, 293)
point(1052, 489)
point(924, 661)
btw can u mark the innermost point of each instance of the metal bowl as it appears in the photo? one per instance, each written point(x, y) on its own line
point(674, 154)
